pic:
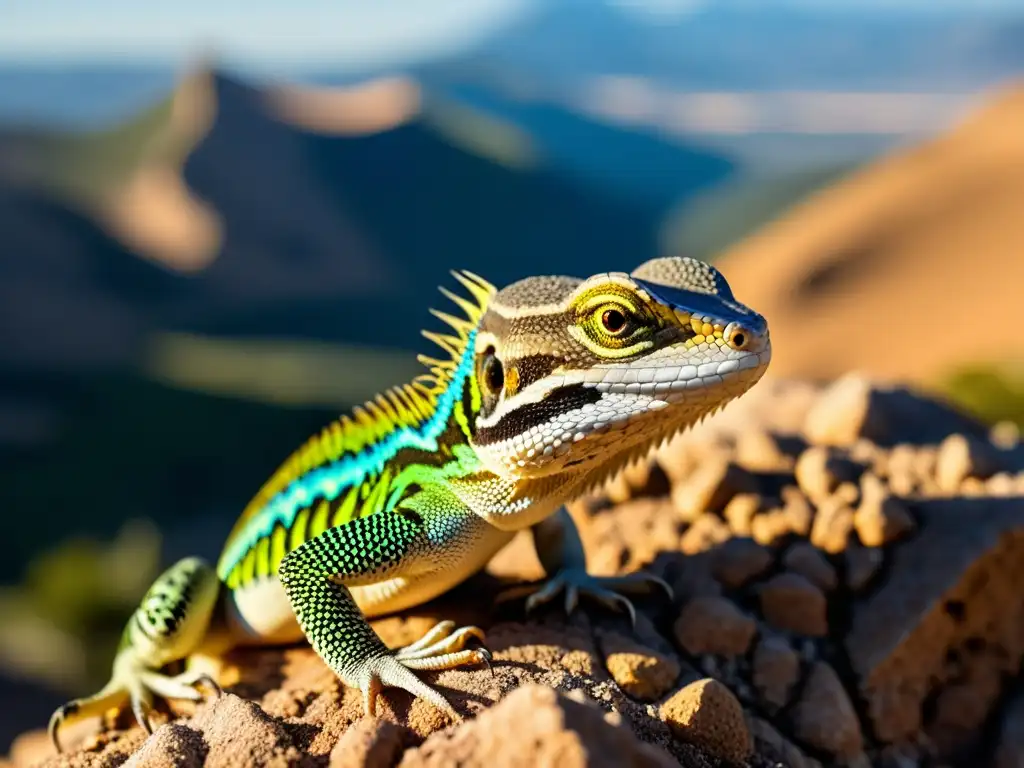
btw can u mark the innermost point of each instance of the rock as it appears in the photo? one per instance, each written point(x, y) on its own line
point(710, 487)
point(737, 561)
point(740, 511)
point(824, 717)
point(880, 519)
point(173, 745)
point(819, 471)
point(714, 625)
point(534, 725)
point(794, 519)
point(775, 747)
point(803, 558)
point(368, 743)
point(844, 412)
point(793, 604)
point(641, 672)
point(776, 669)
point(960, 457)
point(862, 563)
point(707, 714)
point(960, 580)
point(226, 731)
point(833, 525)
point(1005, 435)
point(704, 533)
point(758, 450)
point(1009, 752)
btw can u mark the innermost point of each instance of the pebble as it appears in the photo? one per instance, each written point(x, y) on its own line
point(793, 604)
point(705, 713)
point(808, 561)
point(714, 625)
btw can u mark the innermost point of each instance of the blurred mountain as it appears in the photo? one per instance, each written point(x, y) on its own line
point(186, 293)
point(911, 267)
point(759, 46)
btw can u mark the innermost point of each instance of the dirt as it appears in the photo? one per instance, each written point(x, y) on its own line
point(854, 596)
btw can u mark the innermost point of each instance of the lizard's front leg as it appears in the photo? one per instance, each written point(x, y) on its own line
point(171, 622)
point(316, 577)
point(561, 552)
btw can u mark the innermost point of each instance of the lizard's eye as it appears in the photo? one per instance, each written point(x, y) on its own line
point(613, 321)
point(492, 373)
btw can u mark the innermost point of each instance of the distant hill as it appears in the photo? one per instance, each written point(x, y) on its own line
point(911, 267)
point(149, 266)
point(760, 46)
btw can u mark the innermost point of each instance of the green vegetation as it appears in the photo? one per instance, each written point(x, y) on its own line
point(992, 393)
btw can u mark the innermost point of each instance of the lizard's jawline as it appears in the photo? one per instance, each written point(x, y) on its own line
point(581, 454)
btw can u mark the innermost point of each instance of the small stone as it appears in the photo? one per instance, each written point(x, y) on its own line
point(710, 487)
point(776, 669)
point(706, 714)
point(1005, 435)
point(1001, 484)
point(777, 748)
point(738, 561)
point(881, 518)
point(793, 604)
point(862, 563)
point(798, 511)
point(832, 526)
point(714, 625)
point(819, 471)
point(369, 742)
point(825, 718)
point(759, 451)
point(641, 672)
point(961, 457)
point(844, 412)
point(704, 533)
point(809, 562)
point(740, 511)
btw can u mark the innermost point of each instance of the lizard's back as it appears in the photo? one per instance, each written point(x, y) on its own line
point(360, 465)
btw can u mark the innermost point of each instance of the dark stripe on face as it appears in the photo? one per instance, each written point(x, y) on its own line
point(535, 414)
point(532, 368)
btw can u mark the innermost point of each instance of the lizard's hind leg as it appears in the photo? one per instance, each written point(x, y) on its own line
point(168, 625)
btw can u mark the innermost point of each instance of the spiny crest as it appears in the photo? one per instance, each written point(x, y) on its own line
point(473, 308)
point(406, 405)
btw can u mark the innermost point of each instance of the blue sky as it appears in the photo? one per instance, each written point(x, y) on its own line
point(252, 32)
point(273, 33)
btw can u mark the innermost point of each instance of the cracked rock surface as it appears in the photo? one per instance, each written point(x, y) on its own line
point(848, 567)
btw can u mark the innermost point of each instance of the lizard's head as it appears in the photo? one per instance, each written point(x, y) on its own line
point(572, 372)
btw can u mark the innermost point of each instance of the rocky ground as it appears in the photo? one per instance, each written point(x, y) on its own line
point(849, 573)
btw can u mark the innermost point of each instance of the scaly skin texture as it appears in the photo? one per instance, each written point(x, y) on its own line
point(548, 388)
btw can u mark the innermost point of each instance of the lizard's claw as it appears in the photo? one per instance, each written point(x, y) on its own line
point(443, 647)
point(138, 692)
point(576, 582)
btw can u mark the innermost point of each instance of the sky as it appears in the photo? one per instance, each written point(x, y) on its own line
point(274, 33)
point(248, 32)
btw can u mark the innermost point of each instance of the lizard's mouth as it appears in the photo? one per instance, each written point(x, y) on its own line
point(609, 409)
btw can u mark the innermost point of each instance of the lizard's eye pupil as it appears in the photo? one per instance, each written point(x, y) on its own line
point(613, 320)
point(493, 373)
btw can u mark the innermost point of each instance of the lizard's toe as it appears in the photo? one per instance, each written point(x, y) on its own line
point(575, 583)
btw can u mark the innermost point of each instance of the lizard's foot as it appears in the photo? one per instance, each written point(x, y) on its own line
point(576, 582)
point(440, 648)
point(138, 690)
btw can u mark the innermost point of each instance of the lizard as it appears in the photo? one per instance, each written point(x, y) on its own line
point(546, 389)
